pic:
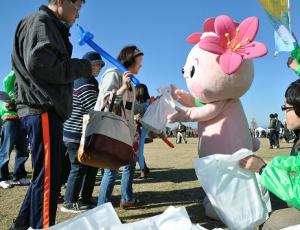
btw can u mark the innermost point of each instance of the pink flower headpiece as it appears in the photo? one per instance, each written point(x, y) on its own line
point(233, 42)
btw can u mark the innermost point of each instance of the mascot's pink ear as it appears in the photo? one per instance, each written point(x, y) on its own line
point(194, 38)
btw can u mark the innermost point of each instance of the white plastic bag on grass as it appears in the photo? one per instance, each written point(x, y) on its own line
point(233, 192)
point(155, 117)
point(173, 218)
point(101, 216)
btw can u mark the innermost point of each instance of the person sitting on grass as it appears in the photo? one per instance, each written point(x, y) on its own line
point(281, 176)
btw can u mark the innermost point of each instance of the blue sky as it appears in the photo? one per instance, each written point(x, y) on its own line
point(159, 28)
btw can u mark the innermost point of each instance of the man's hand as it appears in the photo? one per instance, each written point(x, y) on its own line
point(293, 63)
point(253, 163)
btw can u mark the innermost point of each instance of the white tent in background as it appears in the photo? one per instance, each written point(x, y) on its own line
point(260, 130)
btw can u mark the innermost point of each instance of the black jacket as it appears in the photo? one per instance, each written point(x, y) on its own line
point(296, 147)
point(44, 69)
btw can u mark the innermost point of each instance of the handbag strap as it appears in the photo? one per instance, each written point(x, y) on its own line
point(111, 105)
point(106, 102)
point(123, 109)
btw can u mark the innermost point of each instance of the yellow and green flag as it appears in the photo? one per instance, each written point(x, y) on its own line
point(278, 12)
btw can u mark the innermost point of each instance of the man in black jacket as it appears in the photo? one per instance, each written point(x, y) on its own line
point(45, 73)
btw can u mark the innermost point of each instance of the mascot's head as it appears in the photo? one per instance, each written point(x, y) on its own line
point(219, 66)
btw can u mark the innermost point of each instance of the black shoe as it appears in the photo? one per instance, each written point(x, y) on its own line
point(91, 203)
point(76, 207)
point(18, 224)
point(147, 170)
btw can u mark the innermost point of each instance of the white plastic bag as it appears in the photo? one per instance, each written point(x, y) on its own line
point(233, 192)
point(155, 117)
point(101, 216)
point(104, 217)
point(265, 194)
point(173, 218)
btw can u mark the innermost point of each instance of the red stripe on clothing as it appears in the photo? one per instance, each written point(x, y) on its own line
point(46, 140)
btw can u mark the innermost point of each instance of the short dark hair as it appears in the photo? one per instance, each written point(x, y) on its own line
point(54, 1)
point(271, 115)
point(292, 96)
point(128, 55)
point(142, 94)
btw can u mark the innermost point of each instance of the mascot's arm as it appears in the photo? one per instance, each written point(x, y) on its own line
point(197, 114)
point(182, 97)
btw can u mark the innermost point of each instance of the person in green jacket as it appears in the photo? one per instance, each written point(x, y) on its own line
point(12, 136)
point(281, 175)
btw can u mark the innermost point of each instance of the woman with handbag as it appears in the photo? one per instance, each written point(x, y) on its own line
point(113, 82)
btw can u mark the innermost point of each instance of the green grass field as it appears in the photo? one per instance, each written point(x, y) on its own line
point(172, 181)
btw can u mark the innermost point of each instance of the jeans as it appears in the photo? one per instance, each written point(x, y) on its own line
point(277, 138)
point(108, 182)
point(272, 137)
point(13, 136)
point(81, 178)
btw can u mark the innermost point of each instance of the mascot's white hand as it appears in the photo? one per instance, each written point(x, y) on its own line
point(182, 97)
point(181, 115)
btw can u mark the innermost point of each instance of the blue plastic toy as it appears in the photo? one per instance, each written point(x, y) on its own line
point(87, 38)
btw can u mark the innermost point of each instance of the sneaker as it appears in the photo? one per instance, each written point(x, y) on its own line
point(91, 203)
point(23, 181)
point(5, 184)
point(131, 204)
point(143, 175)
point(74, 207)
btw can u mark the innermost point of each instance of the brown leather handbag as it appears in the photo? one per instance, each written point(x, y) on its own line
point(106, 141)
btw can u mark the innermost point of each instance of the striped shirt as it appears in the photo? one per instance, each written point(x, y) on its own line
point(85, 95)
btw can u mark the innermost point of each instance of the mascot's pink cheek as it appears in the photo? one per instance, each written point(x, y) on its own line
point(195, 88)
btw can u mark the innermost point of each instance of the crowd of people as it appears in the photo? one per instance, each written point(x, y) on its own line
point(50, 92)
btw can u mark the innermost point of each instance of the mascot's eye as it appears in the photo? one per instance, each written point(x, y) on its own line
point(182, 71)
point(192, 71)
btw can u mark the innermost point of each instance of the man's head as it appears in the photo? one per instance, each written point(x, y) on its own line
point(95, 60)
point(292, 106)
point(66, 10)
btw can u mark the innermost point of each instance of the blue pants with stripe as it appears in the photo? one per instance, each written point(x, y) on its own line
point(45, 139)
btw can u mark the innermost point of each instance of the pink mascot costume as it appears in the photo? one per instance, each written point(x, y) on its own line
point(218, 72)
